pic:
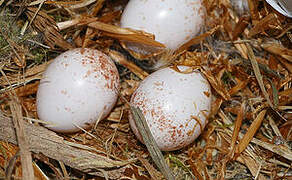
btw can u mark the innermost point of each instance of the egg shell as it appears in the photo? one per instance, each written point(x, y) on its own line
point(173, 22)
point(175, 106)
point(77, 88)
point(283, 6)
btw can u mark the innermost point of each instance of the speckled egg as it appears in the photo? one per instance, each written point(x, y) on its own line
point(176, 106)
point(77, 88)
point(173, 22)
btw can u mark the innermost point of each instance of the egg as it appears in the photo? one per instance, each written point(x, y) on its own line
point(175, 105)
point(173, 22)
point(77, 88)
point(282, 6)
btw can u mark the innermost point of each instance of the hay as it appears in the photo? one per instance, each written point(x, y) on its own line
point(245, 55)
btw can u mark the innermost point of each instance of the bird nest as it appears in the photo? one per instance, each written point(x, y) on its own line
point(244, 52)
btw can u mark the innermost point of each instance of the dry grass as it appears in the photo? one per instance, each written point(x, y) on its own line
point(247, 60)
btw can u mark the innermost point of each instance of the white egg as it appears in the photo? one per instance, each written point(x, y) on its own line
point(175, 105)
point(282, 6)
point(77, 88)
point(173, 22)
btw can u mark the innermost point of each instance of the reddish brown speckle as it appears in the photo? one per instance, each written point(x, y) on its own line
point(101, 67)
point(82, 50)
point(207, 93)
point(179, 132)
point(63, 92)
point(158, 83)
point(88, 73)
point(83, 61)
point(172, 133)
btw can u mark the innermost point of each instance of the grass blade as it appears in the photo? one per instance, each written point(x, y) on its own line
point(150, 143)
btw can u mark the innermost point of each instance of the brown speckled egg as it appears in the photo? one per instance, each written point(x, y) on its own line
point(176, 106)
point(77, 88)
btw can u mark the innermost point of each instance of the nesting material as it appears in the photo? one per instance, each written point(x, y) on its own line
point(245, 59)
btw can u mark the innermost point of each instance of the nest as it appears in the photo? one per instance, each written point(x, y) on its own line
point(245, 55)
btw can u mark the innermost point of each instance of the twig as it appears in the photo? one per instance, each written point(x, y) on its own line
point(42, 140)
point(10, 166)
point(32, 19)
point(150, 143)
point(278, 149)
point(25, 155)
point(258, 75)
point(18, 121)
point(155, 175)
point(65, 173)
point(243, 143)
